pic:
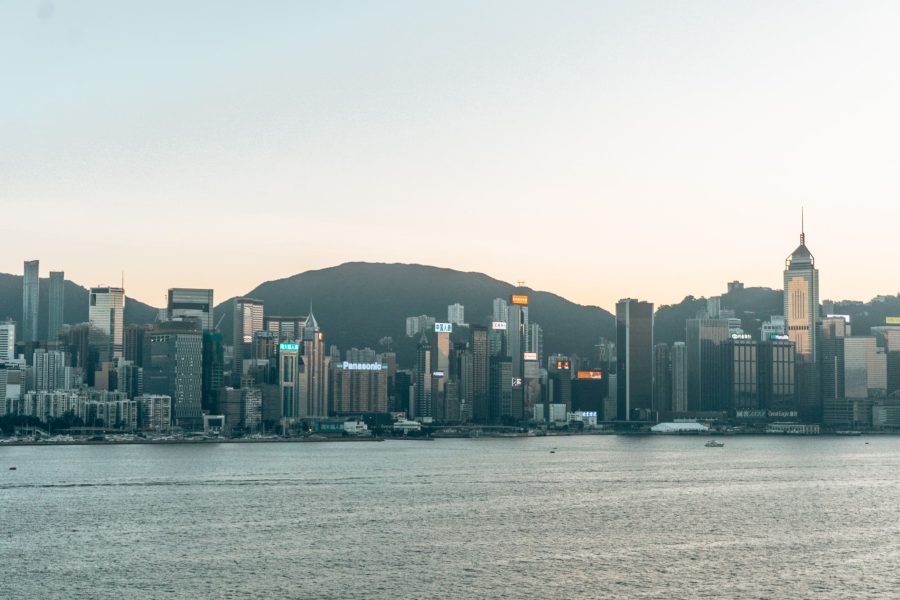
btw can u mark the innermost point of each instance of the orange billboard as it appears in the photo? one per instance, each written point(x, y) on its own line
point(589, 375)
point(520, 299)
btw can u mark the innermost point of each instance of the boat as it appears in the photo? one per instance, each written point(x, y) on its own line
point(714, 444)
point(847, 432)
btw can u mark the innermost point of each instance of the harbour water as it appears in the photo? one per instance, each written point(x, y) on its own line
point(602, 516)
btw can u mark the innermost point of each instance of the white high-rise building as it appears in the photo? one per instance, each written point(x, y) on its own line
point(49, 369)
point(456, 314)
point(107, 313)
point(248, 319)
point(7, 341)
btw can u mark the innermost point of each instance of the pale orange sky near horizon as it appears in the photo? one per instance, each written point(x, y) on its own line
point(597, 150)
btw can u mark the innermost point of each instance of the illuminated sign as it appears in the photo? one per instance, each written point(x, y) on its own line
point(846, 318)
point(789, 414)
point(530, 356)
point(321, 336)
point(248, 339)
point(751, 414)
point(741, 336)
point(779, 336)
point(438, 374)
point(520, 299)
point(498, 325)
point(589, 375)
point(563, 365)
point(516, 382)
point(892, 320)
point(288, 347)
point(588, 414)
point(349, 366)
point(443, 327)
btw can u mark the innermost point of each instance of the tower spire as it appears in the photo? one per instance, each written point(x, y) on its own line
point(802, 227)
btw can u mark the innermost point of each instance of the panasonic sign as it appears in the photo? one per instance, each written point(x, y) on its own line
point(349, 366)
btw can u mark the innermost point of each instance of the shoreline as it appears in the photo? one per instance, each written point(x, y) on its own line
point(326, 439)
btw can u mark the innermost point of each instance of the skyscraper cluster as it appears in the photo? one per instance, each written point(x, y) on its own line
point(278, 373)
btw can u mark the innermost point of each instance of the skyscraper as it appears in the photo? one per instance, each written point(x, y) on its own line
point(314, 370)
point(662, 377)
point(480, 373)
point(423, 382)
point(634, 368)
point(801, 300)
point(456, 314)
point(801, 311)
point(213, 368)
point(173, 366)
point(31, 286)
point(55, 317)
point(289, 379)
point(679, 376)
point(106, 313)
point(248, 319)
point(500, 310)
point(287, 328)
point(191, 303)
point(777, 378)
point(536, 341)
point(741, 374)
point(49, 369)
point(7, 342)
point(516, 344)
point(706, 365)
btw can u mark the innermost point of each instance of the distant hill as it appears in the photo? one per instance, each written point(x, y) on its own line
point(357, 304)
point(751, 305)
point(76, 304)
point(755, 305)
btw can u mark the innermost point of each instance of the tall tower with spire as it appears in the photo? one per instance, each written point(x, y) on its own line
point(314, 383)
point(801, 298)
point(801, 313)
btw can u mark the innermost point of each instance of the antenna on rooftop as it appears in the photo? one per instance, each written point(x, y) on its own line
point(802, 227)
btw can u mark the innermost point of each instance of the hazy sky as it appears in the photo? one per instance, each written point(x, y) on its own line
point(595, 149)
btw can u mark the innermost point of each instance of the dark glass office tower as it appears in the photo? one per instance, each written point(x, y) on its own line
point(57, 304)
point(480, 373)
point(662, 378)
point(777, 379)
point(213, 368)
point(706, 365)
point(31, 285)
point(634, 365)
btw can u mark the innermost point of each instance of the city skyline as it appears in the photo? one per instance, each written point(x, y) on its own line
point(632, 140)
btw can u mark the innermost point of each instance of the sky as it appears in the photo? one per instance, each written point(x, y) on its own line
point(598, 150)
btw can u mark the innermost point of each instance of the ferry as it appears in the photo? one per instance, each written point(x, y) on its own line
point(713, 444)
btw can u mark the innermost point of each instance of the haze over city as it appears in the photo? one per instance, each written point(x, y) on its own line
point(596, 150)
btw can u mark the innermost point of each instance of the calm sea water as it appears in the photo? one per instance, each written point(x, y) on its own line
point(601, 517)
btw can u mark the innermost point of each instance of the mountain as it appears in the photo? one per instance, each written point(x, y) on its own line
point(356, 304)
point(76, 303)
point(751, 305)
point(755, 305)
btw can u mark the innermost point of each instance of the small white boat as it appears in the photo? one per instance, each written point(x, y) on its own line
point(714, 444)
